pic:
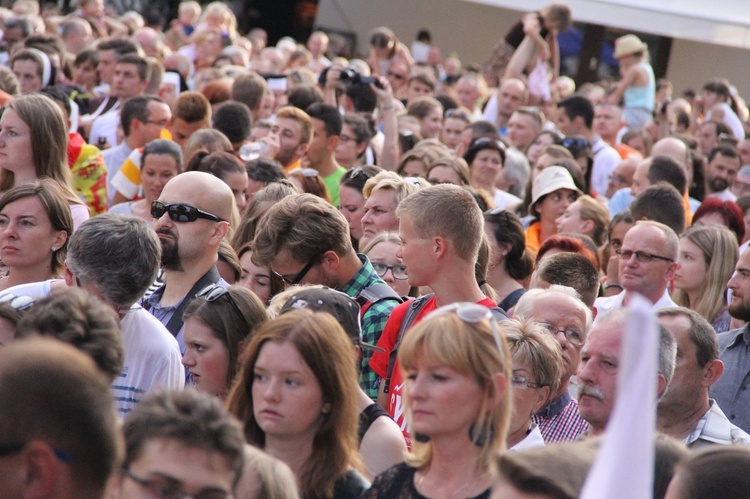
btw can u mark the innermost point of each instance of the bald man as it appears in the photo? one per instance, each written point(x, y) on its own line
point(191, 217)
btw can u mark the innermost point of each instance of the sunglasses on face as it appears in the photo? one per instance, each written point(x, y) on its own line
point(181, 212)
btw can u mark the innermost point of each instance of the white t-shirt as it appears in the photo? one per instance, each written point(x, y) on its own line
point(152, 360)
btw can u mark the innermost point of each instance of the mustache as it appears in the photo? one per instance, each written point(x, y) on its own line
point(166, 232)
point(591, 391)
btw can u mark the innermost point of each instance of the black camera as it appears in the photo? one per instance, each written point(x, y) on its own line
point(351, 77)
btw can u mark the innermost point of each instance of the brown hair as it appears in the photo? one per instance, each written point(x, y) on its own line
point(327, 351)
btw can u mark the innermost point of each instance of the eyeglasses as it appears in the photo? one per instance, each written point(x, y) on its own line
point(521, 383)
point(473, 313)
point(346, 138)
point(10, 449)
point(455, 113)
point(20, 303)
point(300, 275)
point(396, 75)
point(305, 172)
point(161, 123)
point(641, 256)
point(414, 181)
point(727, 138)
point(572, 335)
point(398, 271)
point(164, 488)
point(181, 212)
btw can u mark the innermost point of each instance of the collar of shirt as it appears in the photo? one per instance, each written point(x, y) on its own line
point(361, 279)
point(553, 408)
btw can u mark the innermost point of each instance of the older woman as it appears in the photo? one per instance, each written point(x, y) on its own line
point(537, 368)
point(35, 224)
point(33, 69)
point(382, 195)
point(457, 369)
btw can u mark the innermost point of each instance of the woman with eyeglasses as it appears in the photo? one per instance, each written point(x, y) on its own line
point(457, 370)
point(485, 158)
point(707, 257)
point(382, 254)
point(218, 324)
point(35, 225)
point(161, 160)
point(296, 396)
point(510, 263)
point(34, 144)
point(537, 368)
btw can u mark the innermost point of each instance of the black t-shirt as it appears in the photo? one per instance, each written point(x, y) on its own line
point(397, 482)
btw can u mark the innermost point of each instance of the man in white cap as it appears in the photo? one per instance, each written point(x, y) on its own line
point(552, 192)
point(637, 88)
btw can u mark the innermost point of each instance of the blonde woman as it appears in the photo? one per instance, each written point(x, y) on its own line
point(708, 254)
point(585, 216)
point(457, 368)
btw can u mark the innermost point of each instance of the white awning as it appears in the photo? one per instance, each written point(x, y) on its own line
point(721, 22)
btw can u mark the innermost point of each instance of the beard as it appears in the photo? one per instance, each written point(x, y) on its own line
point(170, 253)
point(740, 310)
point(718, 184)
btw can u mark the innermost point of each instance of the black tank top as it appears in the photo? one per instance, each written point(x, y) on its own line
point(368, 416)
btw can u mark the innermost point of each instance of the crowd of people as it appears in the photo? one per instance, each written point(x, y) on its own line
point(233, 269)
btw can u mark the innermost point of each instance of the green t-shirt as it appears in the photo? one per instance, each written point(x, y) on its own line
point(332, 182)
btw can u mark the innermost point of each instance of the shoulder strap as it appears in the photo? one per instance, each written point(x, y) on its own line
point(375, 293)
point(414, 308)
point(175, 323)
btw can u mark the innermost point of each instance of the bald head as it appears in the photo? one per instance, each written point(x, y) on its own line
point(202, 190)
point(674, 148)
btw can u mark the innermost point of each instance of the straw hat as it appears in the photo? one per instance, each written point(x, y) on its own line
point(627, 45)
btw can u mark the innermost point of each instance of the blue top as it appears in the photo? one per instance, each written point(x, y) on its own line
point(642, 97)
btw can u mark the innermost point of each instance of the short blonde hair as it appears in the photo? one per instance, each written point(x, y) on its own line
point(598, 213)
point(392, 181)
point(531, 344)
point(470, 349)
point(456, 164)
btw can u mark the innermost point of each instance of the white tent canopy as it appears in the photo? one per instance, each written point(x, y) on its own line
point(721, 22)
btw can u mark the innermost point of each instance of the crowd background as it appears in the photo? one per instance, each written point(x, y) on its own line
point(400, 275)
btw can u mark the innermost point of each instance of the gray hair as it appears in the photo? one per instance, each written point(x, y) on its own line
point(525, 306)
point(667, 343)
point(517, 170)
point(118, 254)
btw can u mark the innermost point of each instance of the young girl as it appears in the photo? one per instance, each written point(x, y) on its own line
point(638, 86)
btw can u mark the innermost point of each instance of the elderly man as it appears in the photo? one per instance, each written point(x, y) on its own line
point(686, 412)
point(648, 260)
point(597, 374)
point(560, 311)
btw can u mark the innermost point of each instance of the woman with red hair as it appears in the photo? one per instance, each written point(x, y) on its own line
point(726, 213)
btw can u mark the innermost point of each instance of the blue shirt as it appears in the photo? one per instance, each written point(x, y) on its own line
point(731, 390)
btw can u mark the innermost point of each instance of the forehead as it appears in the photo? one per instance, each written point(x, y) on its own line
point(557, 308)
point(520, 118)
point(726, 161)
point(605, 338)
point(643, 237)
point(381, 197)
point(679, 326)
point(606, 111)
point(288, 124)
point(512, 89)
point(126, 67)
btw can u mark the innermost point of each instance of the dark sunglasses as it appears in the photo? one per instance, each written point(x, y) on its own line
point(181, 212)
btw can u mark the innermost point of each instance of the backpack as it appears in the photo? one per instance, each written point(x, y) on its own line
point(375, 293)
point(412, 312)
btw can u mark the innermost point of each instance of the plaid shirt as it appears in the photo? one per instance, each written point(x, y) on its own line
point(560, 421)
point(373, 321)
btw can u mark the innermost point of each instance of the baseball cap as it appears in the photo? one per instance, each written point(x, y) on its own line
point(550, 180)
point(340, 305)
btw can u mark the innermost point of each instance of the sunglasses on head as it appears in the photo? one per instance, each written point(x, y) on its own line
point(181, 212)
